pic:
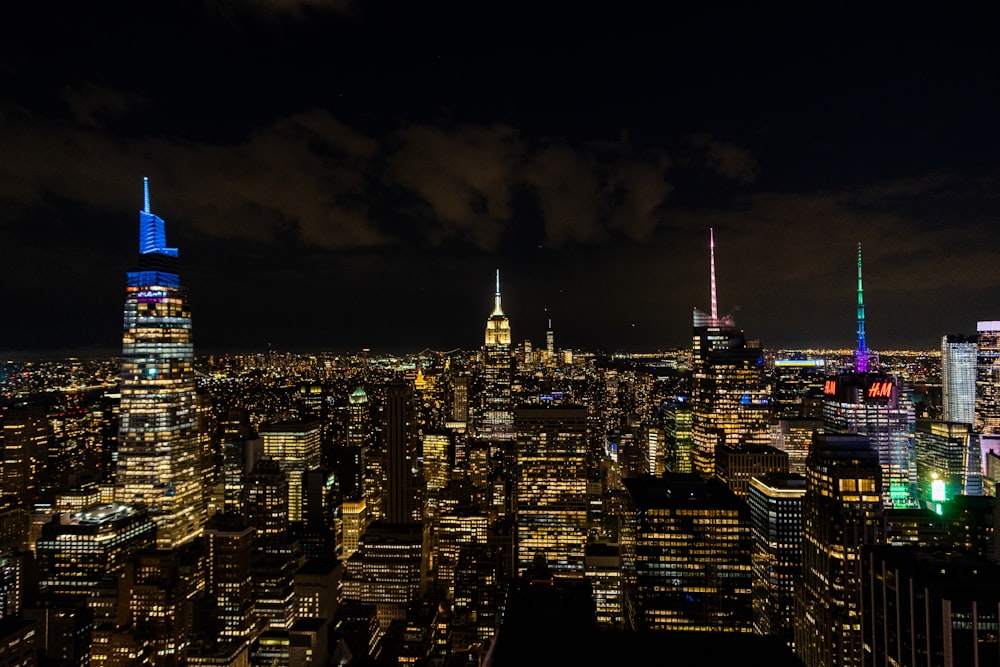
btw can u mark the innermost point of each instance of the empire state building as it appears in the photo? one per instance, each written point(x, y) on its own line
point(158, 454)
point(497, 423)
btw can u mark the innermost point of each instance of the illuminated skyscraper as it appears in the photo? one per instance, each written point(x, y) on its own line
point(841, 511)
point(25, 447)
point(551, 498)
point(958, 377)
point(873, 404)
point(988, 377)
point(729, 397)
point(295, 445)
point(159, 460)
point(496, 420)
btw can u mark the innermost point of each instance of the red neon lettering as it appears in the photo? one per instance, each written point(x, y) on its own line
point(880, 390)
point(830, 387)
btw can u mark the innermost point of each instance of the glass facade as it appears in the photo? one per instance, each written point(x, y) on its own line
point(159, 457)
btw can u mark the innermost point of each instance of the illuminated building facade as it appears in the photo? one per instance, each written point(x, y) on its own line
point(730, 400)
point(942, 460)
point(692, 554)
point(496, 419)
point(677, 419)
point(959, 354)
point(160, 605)
point(159, 455)
point(776, 525)
point(229, 542)
point(295, 445)
point(793, 380)
point(551, 496)
point(841, 512)
point(76, 550)
point(988, 377)
point(25, 448)
point(872, 405)
point(736, 465)
point(385, 571)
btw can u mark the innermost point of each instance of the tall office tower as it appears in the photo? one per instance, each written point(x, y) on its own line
point(159, 460)
point(692, 549)
point(729, 395)
point(928, 607)
point(77, 550)
point(959, 353)
point(551, 487)
point(295, 445)
point(496, 419)
point(841, 512)
point(160, 605)
point(359, 419)
point(401, 495)
point(276, 554)
point(988, 377)
point(872, 404)
point(229, 541)
point(676, 419)
point(241, 448)
point(438, 457)
point(25, 447)
point(776, 524)
point(266, 501)
point(942, 450)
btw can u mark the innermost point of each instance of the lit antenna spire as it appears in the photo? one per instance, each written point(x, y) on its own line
point(715, 299)
point(497, 310)
point(145, 190)
point(861, 355)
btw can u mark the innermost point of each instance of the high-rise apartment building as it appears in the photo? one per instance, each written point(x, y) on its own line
point(729, 395)
point(959, 354)
point(159, 456)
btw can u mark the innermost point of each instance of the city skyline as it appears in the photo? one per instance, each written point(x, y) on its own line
point(358, 173)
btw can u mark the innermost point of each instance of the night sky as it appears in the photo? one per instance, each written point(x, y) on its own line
point(339, 175)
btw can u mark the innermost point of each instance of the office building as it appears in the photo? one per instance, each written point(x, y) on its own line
point(942, 452)
point(692, 546)
point(841, 512)
point(737, 465)
point(959, 356)
point(77, 550)
point(159, 457)
point(988, 377)
point(25, 448)
point(402, 495)
point(295, 447)
point(729, 395)
point(551, 496)
point(496, 416)
point(776, 526)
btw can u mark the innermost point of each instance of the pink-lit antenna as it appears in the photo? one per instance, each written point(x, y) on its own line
point(715, 299)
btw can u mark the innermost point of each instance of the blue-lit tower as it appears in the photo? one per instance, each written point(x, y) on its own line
point(861, 355)
point(159, 460)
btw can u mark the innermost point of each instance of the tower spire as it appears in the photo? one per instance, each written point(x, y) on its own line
point(861, 355)
point(715, 300)
point(497, 310)
point(145, 192)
